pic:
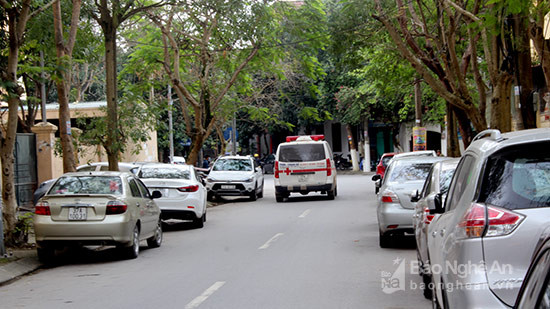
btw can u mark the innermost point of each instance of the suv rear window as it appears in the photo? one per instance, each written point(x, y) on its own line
point(302, 153)
point(518, 177)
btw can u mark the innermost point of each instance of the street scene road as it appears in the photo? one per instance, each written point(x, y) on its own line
point(308, 252)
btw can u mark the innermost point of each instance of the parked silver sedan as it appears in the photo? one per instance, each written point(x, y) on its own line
point(435, 188)
point(97, 208)
point(395, 209)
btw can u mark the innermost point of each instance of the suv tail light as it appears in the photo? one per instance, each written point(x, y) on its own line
point(115, 208)
point(329, 168)
point(500, 221)
point(389, 197)
point(192, 188)
point(42, 208)
point(276, 169)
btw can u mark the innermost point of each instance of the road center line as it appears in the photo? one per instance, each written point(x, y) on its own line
point(268, 243)
point(204, 296)
point(305, 213)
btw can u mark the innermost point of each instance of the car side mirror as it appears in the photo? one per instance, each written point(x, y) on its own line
point(415, 196)
point(376, 177)
point(156, 194)
point(438, 207)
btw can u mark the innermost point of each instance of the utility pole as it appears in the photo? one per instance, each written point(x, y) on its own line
point(234, 134)
point(170, 126)
point(43, 87)
point(418, 102)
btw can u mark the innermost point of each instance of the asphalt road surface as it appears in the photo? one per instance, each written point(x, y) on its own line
point(307, 252)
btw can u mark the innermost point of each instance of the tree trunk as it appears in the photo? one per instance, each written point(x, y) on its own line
point(353, 149)
point(453, 147)
point(64, 65)
point(69, 163)
point(524, 71)
point(196, 146)
point(500, 104)
point(112, 145)
point(8, 133)
point(465, 121)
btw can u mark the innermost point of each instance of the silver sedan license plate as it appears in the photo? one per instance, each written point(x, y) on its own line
point(228, 187)
point(78, 213)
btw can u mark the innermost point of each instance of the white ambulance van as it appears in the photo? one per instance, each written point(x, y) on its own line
point(304, 164)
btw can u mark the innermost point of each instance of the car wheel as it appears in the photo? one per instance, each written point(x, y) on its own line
point(279, 198)
point(384, 240)
point(331, 194)
point(210, 196)
point(156, 240)
point(46, 254)
point(199, 222)
point(253, 195)
point(261, 194)
point(132, 251)
point(427, 279)
point(335, 191)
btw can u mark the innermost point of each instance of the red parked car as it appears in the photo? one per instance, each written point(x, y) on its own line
point(381, 167)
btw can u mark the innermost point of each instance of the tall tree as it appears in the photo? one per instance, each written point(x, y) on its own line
point(17, 14)
point(64, 64)
point(206, 54)
point(110, 15)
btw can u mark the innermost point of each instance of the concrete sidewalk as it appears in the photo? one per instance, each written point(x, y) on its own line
point(19, 263)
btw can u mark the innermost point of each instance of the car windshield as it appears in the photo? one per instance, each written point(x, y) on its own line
point(409, 171)
point(164, 173)
point(518, 177)
point(232, 165)
point(69, 185)
point(302, 153)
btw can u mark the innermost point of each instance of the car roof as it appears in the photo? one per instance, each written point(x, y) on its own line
point(235, 157)
point(101, 173)
point(498, 141)
point(418, 159)
point(425, 153)
point(166, 165)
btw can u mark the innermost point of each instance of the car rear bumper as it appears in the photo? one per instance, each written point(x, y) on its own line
point(180, 205)
point(303, 188)
point(113, 229)
point(390, 214)
point(166, 214)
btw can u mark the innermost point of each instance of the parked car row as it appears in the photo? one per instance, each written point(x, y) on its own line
point(95, 207)
point(482, 237)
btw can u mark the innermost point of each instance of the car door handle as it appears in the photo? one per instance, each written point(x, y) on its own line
point(434, 233)
point(442, 232)
point(137, 204)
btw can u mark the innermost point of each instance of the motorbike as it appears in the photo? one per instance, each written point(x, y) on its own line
point(341, 162)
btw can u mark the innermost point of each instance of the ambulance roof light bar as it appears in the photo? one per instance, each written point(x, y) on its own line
point(297, 138)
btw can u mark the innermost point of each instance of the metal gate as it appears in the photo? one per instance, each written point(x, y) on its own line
point(25, 169)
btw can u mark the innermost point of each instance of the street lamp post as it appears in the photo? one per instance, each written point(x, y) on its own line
point(170, 126)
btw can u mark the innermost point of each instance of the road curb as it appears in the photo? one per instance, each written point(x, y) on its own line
point(18, 268)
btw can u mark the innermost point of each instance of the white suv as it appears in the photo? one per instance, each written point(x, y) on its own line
point(304, 164)
point(481, 241)
point(235, 176)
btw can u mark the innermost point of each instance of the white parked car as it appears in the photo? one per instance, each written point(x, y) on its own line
point(183, 194)
point(235, 176)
